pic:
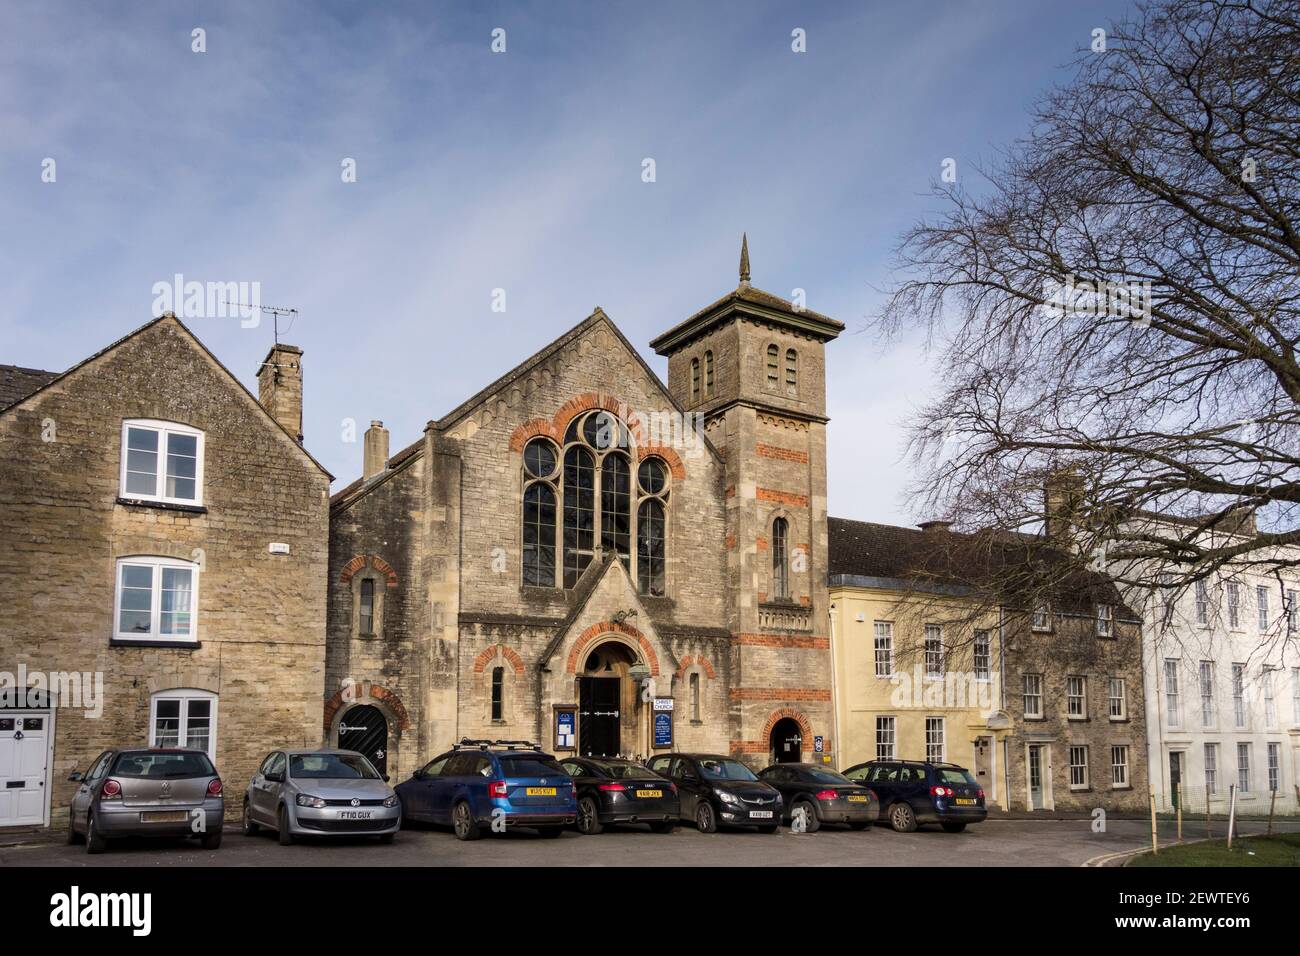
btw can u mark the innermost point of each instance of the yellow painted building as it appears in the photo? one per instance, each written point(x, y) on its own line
point(917, 667)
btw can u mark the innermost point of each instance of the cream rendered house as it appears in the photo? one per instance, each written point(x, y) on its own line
point(1222, 682)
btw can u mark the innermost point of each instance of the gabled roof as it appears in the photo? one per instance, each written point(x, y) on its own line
point(457, 414)
point(16, 383)
point(194, 339)
point(749, 302)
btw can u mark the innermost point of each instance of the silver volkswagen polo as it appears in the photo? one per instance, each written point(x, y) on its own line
point(320, 793)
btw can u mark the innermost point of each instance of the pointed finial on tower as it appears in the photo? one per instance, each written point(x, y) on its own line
point(744, 259)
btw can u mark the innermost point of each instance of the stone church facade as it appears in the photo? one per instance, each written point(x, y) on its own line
point(580, 547)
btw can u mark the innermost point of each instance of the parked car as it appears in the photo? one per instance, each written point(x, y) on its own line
point(621, 791)
point(320, 793)
point(487, 783)
point(147, 792)
point(715, 791)
point(913, 792)
point(824, 795)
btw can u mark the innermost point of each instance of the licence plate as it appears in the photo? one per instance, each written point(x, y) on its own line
point(965, 802)
point(164, 816)
point(857, 798)
point(760, 814)
point(649, 794)
point(356, 814)
point(539, 791)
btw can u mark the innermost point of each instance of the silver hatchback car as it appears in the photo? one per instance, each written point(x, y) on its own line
point(155, 792)
point(320, 793)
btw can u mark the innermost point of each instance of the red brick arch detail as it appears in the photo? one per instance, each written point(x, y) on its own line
point(531, 429)
point(365, 692)
point(481, 662)
point(670, 457)
point(702, 661)
point(805, 726)
point(609, 627)
point(375, 561)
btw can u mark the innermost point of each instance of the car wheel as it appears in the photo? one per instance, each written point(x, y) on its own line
point(94, 842)
point(210, 841)
point(953, 826)
point(462, 822)
point(250, 828)
point(551, 833)
point(73, 836)
point(810, 812)
point(706, 821)
point(901, 818)
point(385, 838)
point(282, 821)
point(859, 826)
point(589, 817)
point(663, 826)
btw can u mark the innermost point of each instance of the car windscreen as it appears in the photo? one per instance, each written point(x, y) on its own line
point(955, 777)
point(824, 776)
point(160, 766)
point(714, 769)
point(520, 766)
point(625, 769)
point(331, 767)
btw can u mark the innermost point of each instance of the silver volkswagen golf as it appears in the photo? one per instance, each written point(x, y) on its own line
point(320, 793)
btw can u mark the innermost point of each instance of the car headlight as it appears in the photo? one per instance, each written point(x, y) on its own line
point(390, 801)
point(726, 797)
point(305, 800)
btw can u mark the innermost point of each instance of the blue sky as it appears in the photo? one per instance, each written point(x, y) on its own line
point(478, 171)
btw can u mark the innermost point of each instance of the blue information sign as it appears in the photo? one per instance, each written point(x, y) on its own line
point(663, 729)
point(818, 745)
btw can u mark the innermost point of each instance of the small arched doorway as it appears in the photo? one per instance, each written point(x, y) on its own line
point(787, 741)
point(603, 700)
point(365, 730)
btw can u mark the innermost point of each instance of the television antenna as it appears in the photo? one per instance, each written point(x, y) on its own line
point(275, 311)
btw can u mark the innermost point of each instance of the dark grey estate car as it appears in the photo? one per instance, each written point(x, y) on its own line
point(147, 792)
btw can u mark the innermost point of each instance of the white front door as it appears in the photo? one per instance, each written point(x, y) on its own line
point(24, 765)
point(1036, 801)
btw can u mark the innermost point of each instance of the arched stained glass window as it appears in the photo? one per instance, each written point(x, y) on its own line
point(579, 513)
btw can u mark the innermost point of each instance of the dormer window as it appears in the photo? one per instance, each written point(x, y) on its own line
point(162, 461)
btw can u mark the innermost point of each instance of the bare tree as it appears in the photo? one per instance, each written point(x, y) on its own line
point(1117, 305)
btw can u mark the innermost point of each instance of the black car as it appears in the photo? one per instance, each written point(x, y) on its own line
point(621, 791)
point(824, 795)
point(720, 791)
point(913, 792)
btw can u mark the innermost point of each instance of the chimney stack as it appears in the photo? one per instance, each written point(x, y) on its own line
point(376, 451)
point(1063, 505)
point(279, 387)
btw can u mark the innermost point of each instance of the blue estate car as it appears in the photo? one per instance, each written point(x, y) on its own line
point(479, 783)
point(913, 792)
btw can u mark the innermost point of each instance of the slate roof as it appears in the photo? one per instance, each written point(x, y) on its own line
point(814, 323)
point(986, 562)
point(16, 383)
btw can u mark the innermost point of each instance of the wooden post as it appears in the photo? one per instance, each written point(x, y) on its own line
point(1232, 812)
point(1272, 802)
point(1151, 798)
point(1178, 796)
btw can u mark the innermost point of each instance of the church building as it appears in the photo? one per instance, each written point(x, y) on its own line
point(584, 556)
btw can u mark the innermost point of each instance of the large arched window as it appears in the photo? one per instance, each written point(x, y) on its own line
point(780, 561)
point(603, 508)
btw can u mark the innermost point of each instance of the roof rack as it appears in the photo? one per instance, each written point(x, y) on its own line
point(484, 743)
